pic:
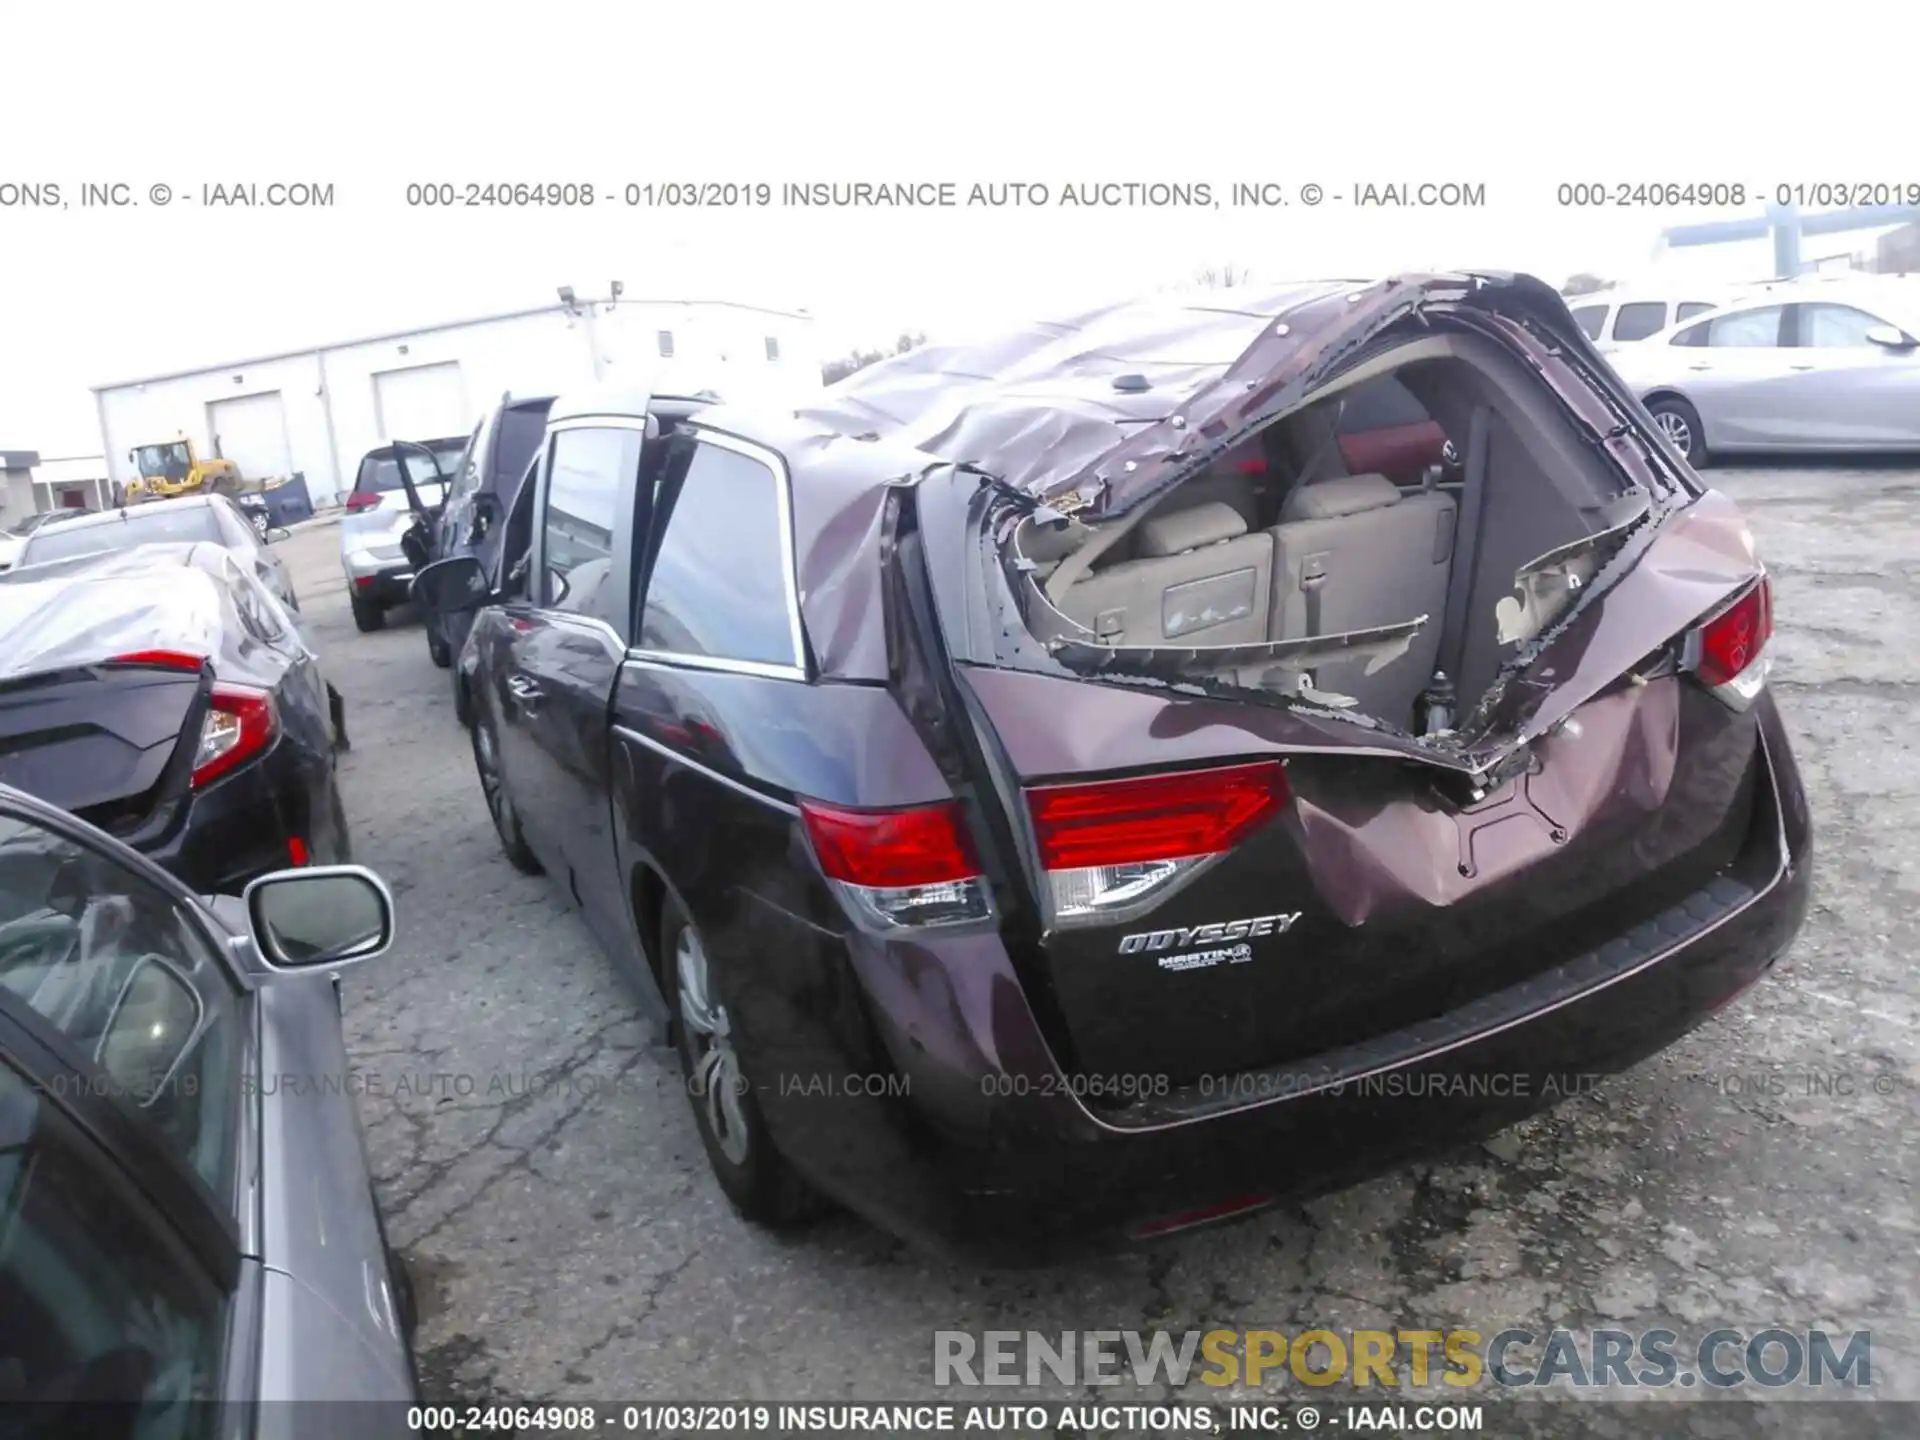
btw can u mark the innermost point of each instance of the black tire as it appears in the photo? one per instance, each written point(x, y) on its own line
point(493, 782)
point(755, 1177)
point(368, 615)
point(438, 650)
point(1681, 424)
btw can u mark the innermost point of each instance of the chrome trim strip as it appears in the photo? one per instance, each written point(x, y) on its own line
point(739, 787)
point(725, 667)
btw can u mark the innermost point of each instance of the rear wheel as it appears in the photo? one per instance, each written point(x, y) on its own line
point(493, 781)
point(1680, 423)
point(756, 1177)
point(368, 614)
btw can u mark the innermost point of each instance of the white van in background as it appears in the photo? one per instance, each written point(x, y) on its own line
point(1622, 316)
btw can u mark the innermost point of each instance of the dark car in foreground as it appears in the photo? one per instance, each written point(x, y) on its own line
point(1049, 795)
point(190, 1246)
point(189, 519)
point(166, 696)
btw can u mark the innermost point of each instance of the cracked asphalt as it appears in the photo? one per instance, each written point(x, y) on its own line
point(544, 1181)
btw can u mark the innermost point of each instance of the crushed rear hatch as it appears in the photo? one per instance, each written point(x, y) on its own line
point(1217, 879)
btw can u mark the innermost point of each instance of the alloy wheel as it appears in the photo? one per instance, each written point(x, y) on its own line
point(498, 804)
point(1674, 426)
point(717, 1082)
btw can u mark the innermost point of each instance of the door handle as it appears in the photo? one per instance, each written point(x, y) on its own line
point(525, 689)
point(1800, 367)
point(1699, 367)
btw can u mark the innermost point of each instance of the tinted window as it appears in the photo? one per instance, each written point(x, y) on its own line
point(1590, 318)
point(1837, 327)
point(522, 428)
point(235, 532)
point(465, 477)
point(381, 473)
point(1381, 404)
point(120, 969)
point(154, 523)
point(96, 1304)
point(718, 586)
point(1689, 308)
point(1746, 328)
point(586, 473)
point(1640, 319)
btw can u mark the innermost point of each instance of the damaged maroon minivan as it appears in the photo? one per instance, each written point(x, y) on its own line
point(1162, 761)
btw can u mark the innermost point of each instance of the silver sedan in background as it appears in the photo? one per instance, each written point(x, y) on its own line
point(1813, 366)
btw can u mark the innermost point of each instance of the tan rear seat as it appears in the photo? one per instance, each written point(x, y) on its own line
point(1197, 578)
point(1355, 553)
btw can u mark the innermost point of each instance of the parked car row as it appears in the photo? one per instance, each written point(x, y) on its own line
point(1129, 761)
point(188, 1225)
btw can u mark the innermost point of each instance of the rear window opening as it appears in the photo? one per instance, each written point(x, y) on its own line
point(1354, 550)
point(380, 473)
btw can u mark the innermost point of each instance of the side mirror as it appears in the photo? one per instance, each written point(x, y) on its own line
point(323, 917)
point(1890, 337)
point(277, 533)
point(452, 585)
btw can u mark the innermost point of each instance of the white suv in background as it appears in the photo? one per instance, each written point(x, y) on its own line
point(1622, 317)
point(379, 514)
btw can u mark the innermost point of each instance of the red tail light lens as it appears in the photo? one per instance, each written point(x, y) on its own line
point(362, 500)
point(899, 868)
point(163, 659)
point(1115, 847)
point(241, 723)
point(1156, 817)
point(1733, 640)
point(1729, 650)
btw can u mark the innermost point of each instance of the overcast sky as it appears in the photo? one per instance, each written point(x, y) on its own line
point(372, 97)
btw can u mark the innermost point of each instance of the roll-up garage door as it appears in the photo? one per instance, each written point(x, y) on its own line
point(251, 431)
point(421, 402)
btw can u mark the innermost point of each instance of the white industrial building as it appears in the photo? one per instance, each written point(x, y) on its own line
point(317, 411)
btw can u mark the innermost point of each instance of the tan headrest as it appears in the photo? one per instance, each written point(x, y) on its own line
point(1349, 495)
point(1182, 530)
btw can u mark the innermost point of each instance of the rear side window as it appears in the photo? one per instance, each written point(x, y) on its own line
point(381, 473)
point(1640, 319)
point(720, 587)
point(155, 523)
point(585, 475)
point(1689, 308)
point(1383, 404)
point(1590, 318)
point(522, 427)
point(1746, 328)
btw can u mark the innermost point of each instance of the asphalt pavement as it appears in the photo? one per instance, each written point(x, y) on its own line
point(543, 1178)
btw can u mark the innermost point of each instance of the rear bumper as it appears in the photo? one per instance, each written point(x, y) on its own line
point(241, 826)
point(391, 586)
point(996, 1155)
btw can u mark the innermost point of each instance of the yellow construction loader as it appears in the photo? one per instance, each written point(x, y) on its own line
point(171, 467)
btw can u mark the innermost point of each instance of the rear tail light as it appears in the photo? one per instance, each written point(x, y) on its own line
point(241, 723)
point(1114, 846)
point(297, 851)
point(1728, 652)
point(362, 500)
point(898, 869)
